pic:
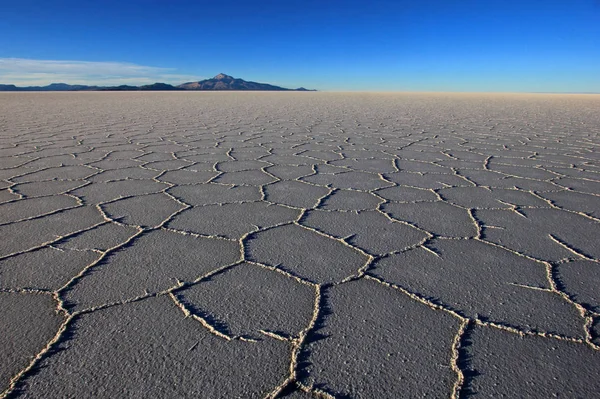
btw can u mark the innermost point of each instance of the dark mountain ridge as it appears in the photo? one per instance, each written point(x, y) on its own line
point(226, 82)
point(221, 82)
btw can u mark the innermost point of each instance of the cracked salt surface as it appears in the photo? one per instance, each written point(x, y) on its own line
point(197, 245)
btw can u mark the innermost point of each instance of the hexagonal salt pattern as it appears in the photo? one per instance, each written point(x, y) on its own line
point(297, 245)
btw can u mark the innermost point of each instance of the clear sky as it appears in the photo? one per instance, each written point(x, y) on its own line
point(379, 45)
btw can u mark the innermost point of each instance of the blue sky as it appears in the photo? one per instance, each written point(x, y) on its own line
point(417, 45)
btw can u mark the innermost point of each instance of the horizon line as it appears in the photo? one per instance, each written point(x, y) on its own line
point(280, 91)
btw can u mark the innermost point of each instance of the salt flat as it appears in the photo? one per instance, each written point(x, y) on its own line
point(242, 245)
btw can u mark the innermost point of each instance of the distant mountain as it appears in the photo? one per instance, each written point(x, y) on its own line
point(159, 87)
point(152, 87)
point(63, 87)
point(119, 88)
point(50, 87)
point(219, 82)
point(226, 82)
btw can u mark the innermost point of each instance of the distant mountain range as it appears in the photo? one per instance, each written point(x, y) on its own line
point(221, 82)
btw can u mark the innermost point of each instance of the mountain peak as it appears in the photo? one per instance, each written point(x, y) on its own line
point(226, 82)
point(222, 76)
point(219, 82)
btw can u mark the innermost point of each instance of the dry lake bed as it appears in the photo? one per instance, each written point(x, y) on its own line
point(296, 245)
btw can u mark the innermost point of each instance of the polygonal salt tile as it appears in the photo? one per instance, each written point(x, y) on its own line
point(46, 268)
point(287, 172)
point(525, 172)
point(232, 220)
point(426, 181)
point(295, 193)
point(103, 148)
point(348, 200)
point(321, 155)
point(206, 158)
point(125, 173)
point(201, 167)
point(155, 156)
point(436, 217)
point(369, 230)
point(581, 280)
point(31, 207)
point(257, 299)
point(14, 174)
point(367, 165)
point(288, 160)
point(98, 192)
point(164, 147)
point(238, 166)
point(34, 232)
point(205, 194)
point(173, 164)
point(506, 153)
point(28, 322)
point(559, 159)
point(11, 150)
point(570, 172)
point(102, 237)
point(149, 347)
point(6, 196)
point(282, 149)
point(459, 165)
point(112, 164)
point(490, 178)
point(532, 233)
point(412, 155)
point(512, 162)
point(187, 177)
point(13, 162)
point(248, 178)
point(248, 155)
point(365, 154)
point(52, 187)
point(508, 365)
point(146, 211)
point(128, 154)
point(304, 253)
point(352, 180)
point(532, 185)
point(420, 167)
point(151, 263)
point(478, 279)
point(373, 341)
point(406, 194)
point(57, 149)
point(479, 197)
point(330, 169)
point(63, 173)
point(574, 201)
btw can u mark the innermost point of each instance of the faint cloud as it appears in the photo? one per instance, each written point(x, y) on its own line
point(26, 72)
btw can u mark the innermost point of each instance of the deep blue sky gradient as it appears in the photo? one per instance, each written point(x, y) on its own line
point(429, 45)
